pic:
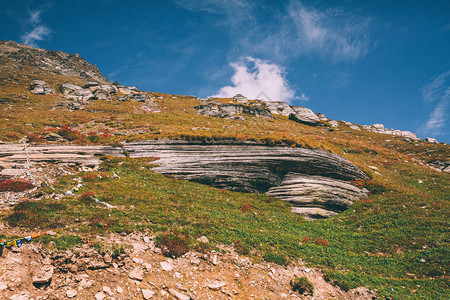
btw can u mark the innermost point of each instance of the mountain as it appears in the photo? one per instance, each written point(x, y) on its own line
point(90, 160)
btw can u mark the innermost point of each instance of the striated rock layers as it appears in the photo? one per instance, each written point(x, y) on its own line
point(315, 182)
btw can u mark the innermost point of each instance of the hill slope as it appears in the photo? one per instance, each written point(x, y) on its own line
point(394, 242)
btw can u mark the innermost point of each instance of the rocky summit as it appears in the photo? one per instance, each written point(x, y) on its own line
point(108, 191)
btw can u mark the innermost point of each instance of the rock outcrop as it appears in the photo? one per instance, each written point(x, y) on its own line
point(232, 111)
point(305, 116)
point(56, 62)
point(315, 182)
point(40, 87)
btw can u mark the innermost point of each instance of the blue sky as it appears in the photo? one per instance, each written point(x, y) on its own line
point(361, 61)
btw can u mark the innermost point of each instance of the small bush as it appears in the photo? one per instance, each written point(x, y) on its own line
point(275, 258)
point(15, 185)
point(63, 242)
point(241, 248)
point(87, 198)
point(172, 244)
point(37, 214)
point(302, 285)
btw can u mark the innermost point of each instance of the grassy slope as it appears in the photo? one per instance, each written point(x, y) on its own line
point(396, 241)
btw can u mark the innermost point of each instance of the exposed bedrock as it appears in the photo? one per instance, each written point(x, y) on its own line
point(315, 182)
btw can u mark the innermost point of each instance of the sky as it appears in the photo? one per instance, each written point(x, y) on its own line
point(361, 61)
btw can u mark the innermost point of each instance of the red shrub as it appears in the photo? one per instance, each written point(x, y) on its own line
point(245, 208)
point(15, 185)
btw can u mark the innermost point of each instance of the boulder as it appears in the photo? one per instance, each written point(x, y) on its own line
point(305, 116)
point(75, 92)
point(101, 94)
point(68, 88)
point(125, 90)
point(90, 84)
point(322, 117)
point(138, 97)
point(431, 140)
point(240, 99)
point(279, 108)
point(333, 123)
point(109, 88)
point(355, 127)
point(43, 275)
point(40, 87)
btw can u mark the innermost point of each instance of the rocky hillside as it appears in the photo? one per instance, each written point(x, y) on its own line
point(103, 167)
point(17, 56)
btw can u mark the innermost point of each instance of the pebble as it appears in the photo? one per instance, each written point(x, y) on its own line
point(99, 296)
point(147, 294)
point(107, 290)
point(71, 293)
point(119, 289)
point(166, 266)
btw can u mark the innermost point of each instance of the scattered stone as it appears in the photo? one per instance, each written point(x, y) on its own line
point(203, 239)
point(3, 286)
point(137, 274)
point(166, 266)
point(178, 295)
point(333, 123)
point(215, 286)
point(147, 294)
point(119, 289)
point(71, 293)
point(107, 290)
point(43, 275)
point(100, 296)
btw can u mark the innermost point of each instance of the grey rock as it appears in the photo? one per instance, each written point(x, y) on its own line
point(68, 88)
point(125, 90)
point(333, 123)
point(138, 97)
point(90, 84)
point(355, 127)
point(305, 116)
point(286, 173)
point(322, 117)
point(279, 108)
point(240, 99)
point(40, 87)
point(231, 110)
point(112, 89)
point(101, 94)
point(431, 140)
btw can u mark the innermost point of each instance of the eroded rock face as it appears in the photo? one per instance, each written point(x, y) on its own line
point(279, 108)
point(40, 87)
point(232, 110)
point(312, 180)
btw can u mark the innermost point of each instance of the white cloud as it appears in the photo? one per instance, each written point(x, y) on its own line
point(438, 90)
point(37, 32)
point(332, 34)
point(256, 78)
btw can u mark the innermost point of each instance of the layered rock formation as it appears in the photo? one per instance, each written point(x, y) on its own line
point(315, 182)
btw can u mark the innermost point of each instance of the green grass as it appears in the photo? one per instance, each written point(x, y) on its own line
point(395, 242)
